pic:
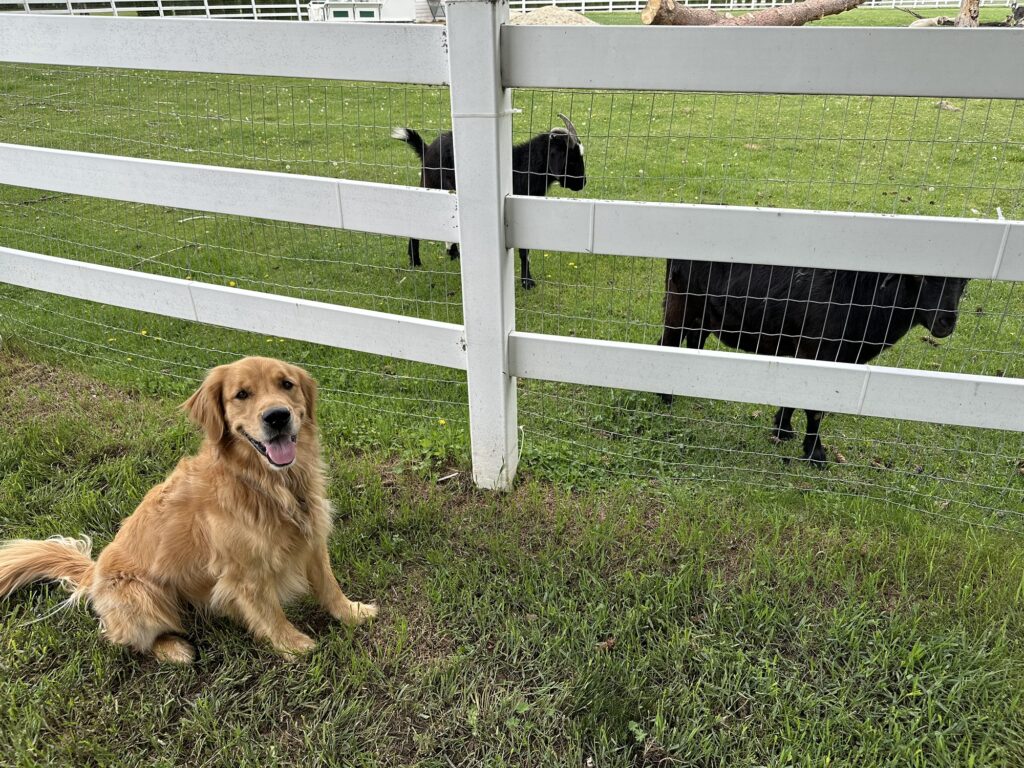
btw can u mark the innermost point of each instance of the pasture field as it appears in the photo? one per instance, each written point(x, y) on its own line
point(659, 589)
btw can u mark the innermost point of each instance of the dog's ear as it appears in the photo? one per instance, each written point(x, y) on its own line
point(206, 405)
point(308, 387)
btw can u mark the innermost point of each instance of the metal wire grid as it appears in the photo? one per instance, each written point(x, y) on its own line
point(583, 435)
point(334, 266)
point(888, 155)
point(315, 127)
point(417, 412)
point(329, 129)
point(927, 156)
point(798, 151)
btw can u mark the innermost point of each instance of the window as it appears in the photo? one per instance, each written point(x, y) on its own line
point(370, 14)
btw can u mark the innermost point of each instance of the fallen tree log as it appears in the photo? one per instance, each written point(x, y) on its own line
point(670, 12)
point(969, 12)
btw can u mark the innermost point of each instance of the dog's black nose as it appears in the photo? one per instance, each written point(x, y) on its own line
point(277, 418)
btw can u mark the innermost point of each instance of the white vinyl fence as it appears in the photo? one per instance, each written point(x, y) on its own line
point(598, 6)
point(298, 9)
point(481, 60)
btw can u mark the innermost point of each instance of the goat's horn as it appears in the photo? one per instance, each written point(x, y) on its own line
point(573, 136)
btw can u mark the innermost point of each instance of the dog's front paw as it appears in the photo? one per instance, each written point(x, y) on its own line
point(295, 644)
point(358, 613)
point(173, 650)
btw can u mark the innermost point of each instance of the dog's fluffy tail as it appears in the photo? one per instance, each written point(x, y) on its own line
point(410, 137)
point(62, 559)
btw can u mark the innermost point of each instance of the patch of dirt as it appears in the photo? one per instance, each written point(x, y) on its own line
point(550, 14)
point(736, 559)
point(22, 380)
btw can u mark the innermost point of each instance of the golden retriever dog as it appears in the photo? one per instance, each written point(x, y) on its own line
point(238, 529)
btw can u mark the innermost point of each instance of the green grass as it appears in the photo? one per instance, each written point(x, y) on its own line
point(545, 627)
point(893, 155)
point(762, 613)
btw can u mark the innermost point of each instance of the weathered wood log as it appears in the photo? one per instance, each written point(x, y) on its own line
point(670, 12)
point(969, 12)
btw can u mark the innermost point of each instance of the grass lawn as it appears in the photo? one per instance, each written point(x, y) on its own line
point(726, 626)
point(659, 589)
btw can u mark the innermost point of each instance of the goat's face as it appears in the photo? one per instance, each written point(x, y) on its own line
point(565, 160)
point(938, 303)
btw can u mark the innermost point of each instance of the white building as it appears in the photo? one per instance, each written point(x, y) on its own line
point(376, 10)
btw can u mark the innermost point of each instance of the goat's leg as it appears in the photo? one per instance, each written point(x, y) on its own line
point(672, 333)
point(783, 424)
point(814, 451)
point(696, 339)
point(414, 252)
point(524, 269)
point(453, 251)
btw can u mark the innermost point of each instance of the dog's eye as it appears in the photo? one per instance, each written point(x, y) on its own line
point(242, 394)
point(287, 384)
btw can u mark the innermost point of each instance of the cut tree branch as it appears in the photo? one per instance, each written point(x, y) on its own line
point(969, 12)
point(670, 12)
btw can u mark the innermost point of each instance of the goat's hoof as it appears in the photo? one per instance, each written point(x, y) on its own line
point(529, 282)
point(781, 435)
point(816, 460)
point(666, 399)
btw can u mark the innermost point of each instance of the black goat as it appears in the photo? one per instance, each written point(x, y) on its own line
point(556, 155)
point(812, 314)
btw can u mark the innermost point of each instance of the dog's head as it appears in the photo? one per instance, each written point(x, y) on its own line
point(258, 401)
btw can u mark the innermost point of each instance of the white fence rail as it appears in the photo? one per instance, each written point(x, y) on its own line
point(397, 53)
point(793, 238)
point(407, 338)
point(599, 6)
point(322, 202)
point(298, 9)
point(604, 6)
point(482, 60)
point(830, 60)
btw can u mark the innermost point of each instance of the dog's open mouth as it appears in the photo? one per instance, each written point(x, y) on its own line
point(280, 451)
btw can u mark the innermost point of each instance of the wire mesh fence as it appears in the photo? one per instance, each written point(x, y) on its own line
point(298, 10)
point(338, 130)
point(918, 156)
point(414, 414)
point(949, 157)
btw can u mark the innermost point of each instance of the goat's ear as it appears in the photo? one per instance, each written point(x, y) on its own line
point(308, 386)
point(206, 405)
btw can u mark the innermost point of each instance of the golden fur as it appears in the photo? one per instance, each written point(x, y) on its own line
point(228, 531)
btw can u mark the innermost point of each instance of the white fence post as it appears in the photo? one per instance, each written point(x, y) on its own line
point(482, 124)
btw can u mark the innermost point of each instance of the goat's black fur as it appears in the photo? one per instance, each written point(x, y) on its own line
point(536, 164)
point(813, 314)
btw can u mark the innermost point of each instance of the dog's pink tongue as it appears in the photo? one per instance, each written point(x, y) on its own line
point(281, 450)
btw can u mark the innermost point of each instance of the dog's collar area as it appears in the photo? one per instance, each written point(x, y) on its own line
point(262, 449)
